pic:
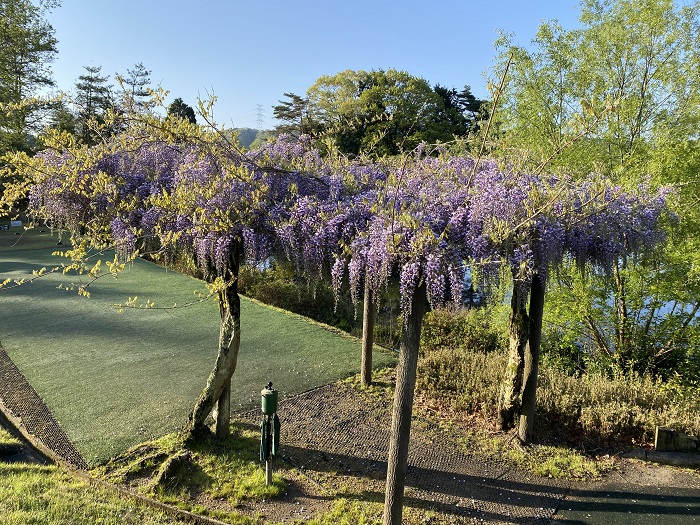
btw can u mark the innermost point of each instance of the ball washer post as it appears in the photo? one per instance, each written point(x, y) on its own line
point(269, 430)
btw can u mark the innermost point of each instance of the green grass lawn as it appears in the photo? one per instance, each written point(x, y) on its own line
point(45, 494)
point(116, 379)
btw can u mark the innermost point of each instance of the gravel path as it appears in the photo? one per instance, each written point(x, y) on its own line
point(338, 429)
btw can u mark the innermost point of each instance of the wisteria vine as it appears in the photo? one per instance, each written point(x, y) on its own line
point(424, 218)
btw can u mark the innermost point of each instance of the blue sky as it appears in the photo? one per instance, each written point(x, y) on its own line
point(250, 53)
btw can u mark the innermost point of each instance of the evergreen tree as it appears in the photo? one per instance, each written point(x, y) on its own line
point(378, 112)
point(28, 47)
point(178, 108)
point(63, 119)
point(136, 87)
point(460, 115)
point(295, 115)
point(94, 99)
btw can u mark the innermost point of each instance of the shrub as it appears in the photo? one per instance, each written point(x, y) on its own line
point(463, 355)
point(472, 329)
point(462, 379)
point(613, 411)
point(562, 350)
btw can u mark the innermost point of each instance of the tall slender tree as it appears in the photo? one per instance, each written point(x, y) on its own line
point(620, 95)
point(93, 99)
point(28, 48)
point(136, 85)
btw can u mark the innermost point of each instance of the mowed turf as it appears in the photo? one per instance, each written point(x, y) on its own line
point(116, 379)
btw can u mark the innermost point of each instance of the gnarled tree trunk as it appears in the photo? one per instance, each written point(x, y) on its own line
point(532, 359)
point(216, 396)
point(403, 408)
point(519, 329)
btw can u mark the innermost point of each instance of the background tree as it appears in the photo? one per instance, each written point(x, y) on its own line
point(136, 88)
point(178, 108)
point(63, 119)
point(461, 112)
point(619, 95)
point(383, 112)
point(28, 47)
point(93, 99)
point(296, 116)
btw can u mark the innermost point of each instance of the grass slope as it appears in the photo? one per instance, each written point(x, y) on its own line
point(116, 379)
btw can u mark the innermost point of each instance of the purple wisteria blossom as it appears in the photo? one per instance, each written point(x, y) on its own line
point(424, 218)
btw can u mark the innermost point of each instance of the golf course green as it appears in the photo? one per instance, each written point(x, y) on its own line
point(116, 378)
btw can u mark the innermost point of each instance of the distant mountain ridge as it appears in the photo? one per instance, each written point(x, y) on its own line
point(251, 138)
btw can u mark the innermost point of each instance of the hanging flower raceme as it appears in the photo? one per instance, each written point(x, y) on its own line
point(415, 231)
point(607, 222)
point(327, 215)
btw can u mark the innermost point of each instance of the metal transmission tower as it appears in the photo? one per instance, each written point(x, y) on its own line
point(259, 123)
